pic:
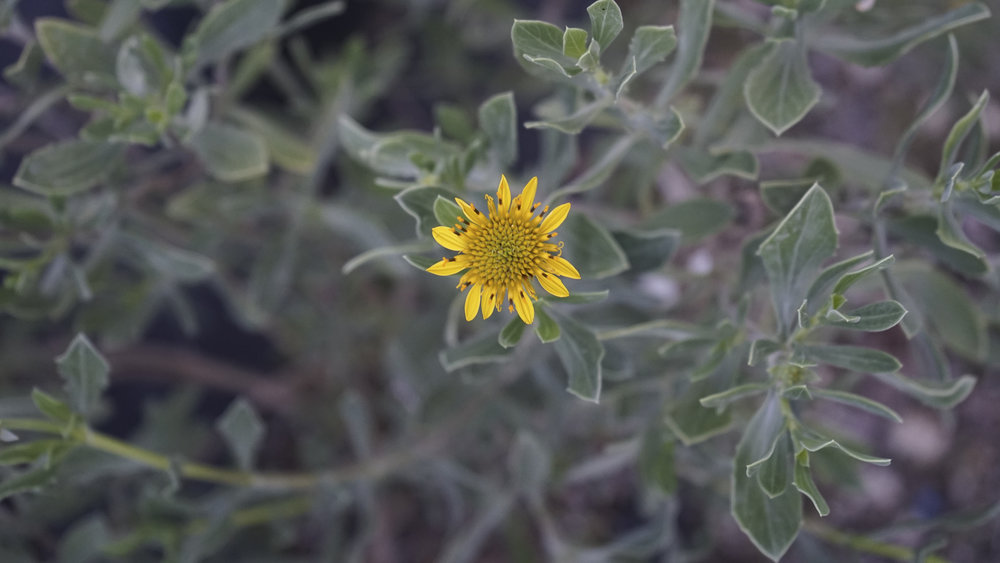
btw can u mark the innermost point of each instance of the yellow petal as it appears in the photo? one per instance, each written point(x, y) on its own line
point(472, 301)
point(552, 284)
point(559, 266)
point(503, 196)
point(447, 267)
point(489, 301)
point(555, 218)
point(446, 237)
point(471, 212)
point(527, 197)
point(525, 309)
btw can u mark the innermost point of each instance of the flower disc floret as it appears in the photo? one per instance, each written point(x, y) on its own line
point(501, 252)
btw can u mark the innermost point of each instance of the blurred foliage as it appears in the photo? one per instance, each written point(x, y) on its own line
point(235, 198)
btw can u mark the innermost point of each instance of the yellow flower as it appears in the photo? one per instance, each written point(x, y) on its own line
point(504, 251)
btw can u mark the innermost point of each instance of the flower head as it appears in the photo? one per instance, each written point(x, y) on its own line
point(502, 252)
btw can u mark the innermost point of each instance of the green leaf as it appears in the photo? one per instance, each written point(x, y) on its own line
point(285, 147)
point(605, 21)
point(581, 353)
point(51, 407)
point(392, 154)
point(780, 91)
point(574, 42)
point(421, 203)
point(537, 40)
point(882, 50)
point(803, 481)
point(689, 420)
point(854, 358)
point(76, 51)
point(850, 278)
point(647, 250)
point(856, 401)
point(651, 44)
point(814, 442)
point(938, 394)
point(598, 172)
point(946, 307)
point(771, 523)
point(591, 248)
point(230, 154)
point(446, 211)
point(922, 230)
point(703, 166)
point(793, 253)
point(243, 431)
point(234, 25)
point(86, 374)
point(511, 333)
point(29, 452)
point(547, 328)
point(959, 131)
point(780, 196)
point(498, 119)
point(775, 474)
point(942, 91)
point(875, 317)
point(761, 349)
point(721, 399)
point(662, 128)
point(481, 349)
point(29, 481)
point(530, 465)
point(950, 233)
point(166, 260)
point(694, 23)
point(694, 218)
point(66, 168)
point(575, 122)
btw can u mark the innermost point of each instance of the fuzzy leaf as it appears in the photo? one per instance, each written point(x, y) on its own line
point(234, 25)
point(243, 431)
point(581, 353)
point(781, 90)
point(86, 374)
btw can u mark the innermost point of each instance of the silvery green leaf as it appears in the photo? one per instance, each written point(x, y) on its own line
point(575, 122)
point(694, 24)
point(705, 166)
point(959, 132)
point(945, 305)
point(794, 252)
point(881, 50)
point(547, 328)
point(651, 44)
point(574, 42)
point(781, 90)
point(76, 51)
point(854, 358)
point(231, 154)
point(243, 431)
point(51, 407)
point(938, 394)
point(694, 218)
point(775, 474)
point(512, 332)
point(67, 168)
point(481, 349)
point(647, 250)
point(813, 442)
point(605, 21)
point(581, 353)
point(803, 481)
point(498, 119)
point(874, 317)
point(591, 248)
point(857, 401)
point(721, 399)
point(233, 25)
point(86, 374)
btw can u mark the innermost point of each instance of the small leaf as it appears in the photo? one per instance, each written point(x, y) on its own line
point(850, 278)
point(66, 168)
point(689, 420)
point(76, 51)
point(946, 307)
point(533, 40)
point(243, 431)
point(498, 119)
point(814, 442)
point(694, 218)
point(856, 401)
point(446, 211)
point(924, 231)
point(51, 407)
point(703, 167)
point(581, 353)
point(804, 483)
point(421, 203)
point(694, 23)
point(86, 374)
point(651, 44)
point(29, 452)
point(720, 400)
point(662, 128)
point(771, 523)
point(880, 51)
point(647, 250)
point(591, 248)
point(875, 317)
point(775, 474)
point(512, 332)
point(574, 42)
point(605, 21)
point(854, 358)
point(781, 90)
point(938, 394)
point(760, 349)
point(958, 132)
point(530, 465)
point(547, 328)
point(481, 349)
point(793, 253)
point(575, 122)
point(780, 196)
point(29, 481)
point(656, 460)
point(234, 25)
point(231, 154)
point(166, 260)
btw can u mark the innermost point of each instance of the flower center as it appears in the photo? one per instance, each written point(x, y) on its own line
point(504, 249)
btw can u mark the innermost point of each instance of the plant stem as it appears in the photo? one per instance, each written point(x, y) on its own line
point(865, 544)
